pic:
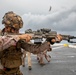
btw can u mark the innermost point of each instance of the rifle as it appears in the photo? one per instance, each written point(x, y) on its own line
point(48, 34)
point(40, 34)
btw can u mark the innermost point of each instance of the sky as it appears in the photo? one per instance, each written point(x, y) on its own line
point(36, 14)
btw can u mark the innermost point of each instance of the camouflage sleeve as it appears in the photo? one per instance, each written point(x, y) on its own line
point(34, 48)
point(38, 48)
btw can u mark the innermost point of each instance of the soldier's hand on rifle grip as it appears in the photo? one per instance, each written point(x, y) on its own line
point(59, 38)
point(25, 37)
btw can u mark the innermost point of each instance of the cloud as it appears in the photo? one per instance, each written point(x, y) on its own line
point(61, 21)
point(61, 18)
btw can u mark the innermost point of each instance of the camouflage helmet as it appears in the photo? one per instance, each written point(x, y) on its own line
point(13, 20)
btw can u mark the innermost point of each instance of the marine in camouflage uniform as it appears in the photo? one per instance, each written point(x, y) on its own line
point(11, 58)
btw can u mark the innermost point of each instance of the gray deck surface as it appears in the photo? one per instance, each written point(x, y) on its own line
point(63, 62)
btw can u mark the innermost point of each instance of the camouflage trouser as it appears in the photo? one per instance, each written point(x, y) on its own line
point(14, 71)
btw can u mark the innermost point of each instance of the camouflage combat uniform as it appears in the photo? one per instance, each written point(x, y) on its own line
point(11, 57)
